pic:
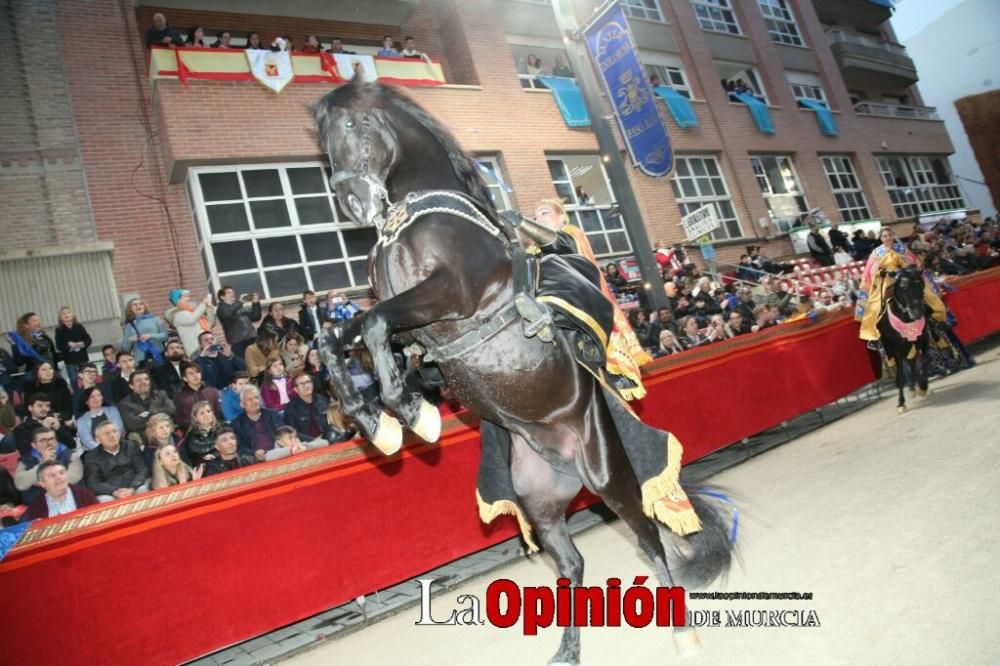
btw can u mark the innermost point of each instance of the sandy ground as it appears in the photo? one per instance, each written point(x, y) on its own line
point(896, 538)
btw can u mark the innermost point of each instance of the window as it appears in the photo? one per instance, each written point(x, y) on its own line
point(716, 15)
point(696, 181)
point(275, 229)
point(846, 190)
point(806, 86)
point(672, 76)
point(643, 9)
point(780, 186)
point(919, 185)
point(741, 74)
point(582, 184)
point(780, 22)
point(495, 181)
point(547, 55)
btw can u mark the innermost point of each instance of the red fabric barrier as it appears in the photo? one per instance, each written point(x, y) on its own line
point(167, 582)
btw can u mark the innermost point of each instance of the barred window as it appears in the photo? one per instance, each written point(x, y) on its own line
point(583, 186)
point(697, 181)
point(716, 15)
point(919, 185)
point(275, 229)
point(780, 22)
point(643, 9)
point(780, 187)
point(851, 201)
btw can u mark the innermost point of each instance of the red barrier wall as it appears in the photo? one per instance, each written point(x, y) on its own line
point(215, 562)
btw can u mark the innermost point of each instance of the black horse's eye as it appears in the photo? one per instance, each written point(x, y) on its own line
point(349, 124)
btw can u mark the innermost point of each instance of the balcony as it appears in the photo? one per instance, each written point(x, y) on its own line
point(897, 111)
point(864, 56)
point(862, 14)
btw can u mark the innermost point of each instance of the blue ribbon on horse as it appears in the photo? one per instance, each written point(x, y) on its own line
point(728, 500)
point(23, 348)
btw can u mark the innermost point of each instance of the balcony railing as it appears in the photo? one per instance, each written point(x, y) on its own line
point(835, 35)
point(897, 111)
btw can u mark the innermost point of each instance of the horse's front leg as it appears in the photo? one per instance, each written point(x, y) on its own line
point(436, 298)
point(901, 364)
point(381, 429)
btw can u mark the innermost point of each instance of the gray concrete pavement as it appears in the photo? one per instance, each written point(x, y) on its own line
point(890, 521)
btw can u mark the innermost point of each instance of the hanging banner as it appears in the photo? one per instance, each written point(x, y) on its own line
point(272, 69)
point(616, 60)
point(700, 222)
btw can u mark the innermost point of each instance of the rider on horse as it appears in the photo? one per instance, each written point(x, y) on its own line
point(552, 232)
point(884, 261)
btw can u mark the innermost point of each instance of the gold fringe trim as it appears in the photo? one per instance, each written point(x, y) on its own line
point(488, 512)
point(665, 500)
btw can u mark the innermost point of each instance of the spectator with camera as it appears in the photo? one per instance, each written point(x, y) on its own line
point(116, 469)
point(217, 361)
point(138, 406)
point(45, 447)
point(190, 320)
point(237, 318)
point(38, 406)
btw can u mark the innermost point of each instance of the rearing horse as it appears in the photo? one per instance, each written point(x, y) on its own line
point(445, 280)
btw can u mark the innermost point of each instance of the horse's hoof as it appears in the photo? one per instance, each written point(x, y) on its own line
point(388, 435)
point(901, 409)
point(686, 641)
point(428, 425)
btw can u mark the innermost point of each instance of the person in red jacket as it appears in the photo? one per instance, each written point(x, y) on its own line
point(60, 495)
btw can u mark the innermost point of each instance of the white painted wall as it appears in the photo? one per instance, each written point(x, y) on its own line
point(956, 54)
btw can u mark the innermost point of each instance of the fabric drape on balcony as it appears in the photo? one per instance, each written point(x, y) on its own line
point(569, 99)
point(824, 116)
point(679, 105)
point(758, 111)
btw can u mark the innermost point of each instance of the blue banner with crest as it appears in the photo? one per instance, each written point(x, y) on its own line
point(616, 60)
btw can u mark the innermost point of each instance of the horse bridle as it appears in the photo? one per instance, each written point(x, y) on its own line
point(362, 172)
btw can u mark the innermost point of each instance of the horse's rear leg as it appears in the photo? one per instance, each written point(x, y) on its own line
point(544, 495)
point(921, 366)
point(608, 473)
point(901, 364)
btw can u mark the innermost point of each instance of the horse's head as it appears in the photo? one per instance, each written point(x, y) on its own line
point(908, 294)
point(362, 148)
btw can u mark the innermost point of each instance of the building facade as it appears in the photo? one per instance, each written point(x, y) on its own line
point(116, 185)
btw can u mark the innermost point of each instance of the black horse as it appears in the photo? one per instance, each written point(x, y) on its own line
point(445, 280)
point(904, 334)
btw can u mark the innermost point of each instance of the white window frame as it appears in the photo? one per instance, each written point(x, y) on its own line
point(792, 184)
point(574, 208)
point(851, 200)
point(641, 9)
point(922, 193)
point(806, 86)
point(781, 23)
point(754, 79)
point(670, 69)
point(687, 203)
point(301, 232)
point(501, 198)
point(718, 16)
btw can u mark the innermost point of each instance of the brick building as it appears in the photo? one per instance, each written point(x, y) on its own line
point(115, 184)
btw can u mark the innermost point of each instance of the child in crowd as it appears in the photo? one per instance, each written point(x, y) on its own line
point(277, 388)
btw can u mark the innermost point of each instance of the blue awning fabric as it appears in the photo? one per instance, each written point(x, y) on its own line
point(758, 111)
point(824, 116)
point(679, 105)
point(569, 99)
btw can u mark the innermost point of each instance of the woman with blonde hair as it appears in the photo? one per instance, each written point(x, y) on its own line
point(553, 233)
point(170, 470)
point(144, 333)
point(199, 442)
point(159, 432)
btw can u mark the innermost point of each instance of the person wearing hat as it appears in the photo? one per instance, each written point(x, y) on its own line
point(190, 320)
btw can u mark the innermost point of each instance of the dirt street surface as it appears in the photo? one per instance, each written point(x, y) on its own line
point(891, 522)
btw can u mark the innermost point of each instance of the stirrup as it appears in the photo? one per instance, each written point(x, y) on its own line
point(535, 319)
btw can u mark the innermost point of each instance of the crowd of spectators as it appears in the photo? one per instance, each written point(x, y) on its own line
point(161, 33)
point(763, 293)
point(170, 404)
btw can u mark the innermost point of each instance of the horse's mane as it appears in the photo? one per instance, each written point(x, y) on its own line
point(375, 95)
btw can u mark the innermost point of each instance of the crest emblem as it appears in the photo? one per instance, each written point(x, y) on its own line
point(273, 70)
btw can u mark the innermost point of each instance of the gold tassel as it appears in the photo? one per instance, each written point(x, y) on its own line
point(488, 512)
point(665, 500)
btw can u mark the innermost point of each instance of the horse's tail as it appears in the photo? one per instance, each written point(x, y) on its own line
point(706, 555)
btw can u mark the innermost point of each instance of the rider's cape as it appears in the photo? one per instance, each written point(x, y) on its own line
point(571, 285)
